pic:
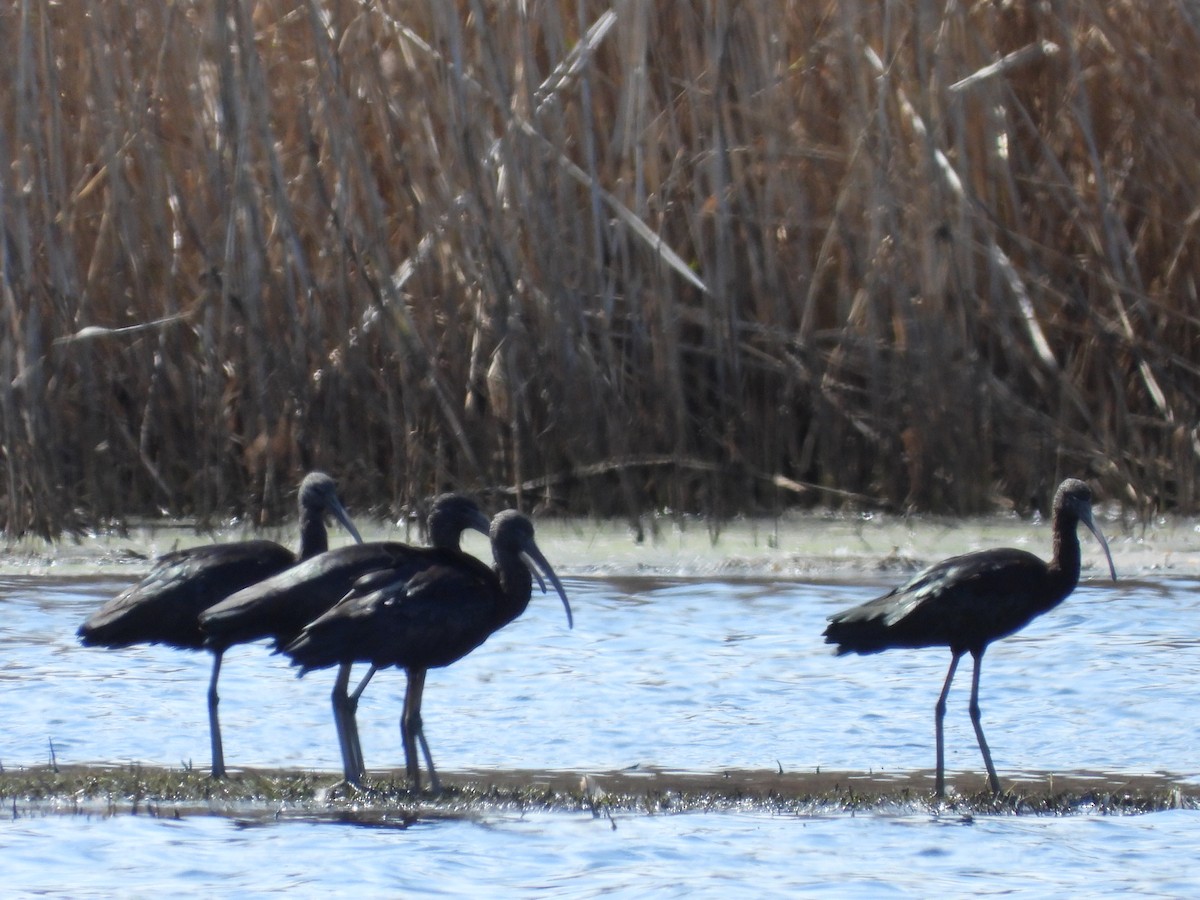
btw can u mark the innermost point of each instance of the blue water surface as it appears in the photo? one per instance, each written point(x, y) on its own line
point(676, 673)
point(574, 855)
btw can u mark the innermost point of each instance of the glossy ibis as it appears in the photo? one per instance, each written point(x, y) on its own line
point(165, 606)
point(968, 601)
point(279, 607)
point(428, 620)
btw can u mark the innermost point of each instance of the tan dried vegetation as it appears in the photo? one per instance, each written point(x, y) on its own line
point(595, 257)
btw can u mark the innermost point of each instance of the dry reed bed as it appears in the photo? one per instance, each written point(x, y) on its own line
point(603, 257)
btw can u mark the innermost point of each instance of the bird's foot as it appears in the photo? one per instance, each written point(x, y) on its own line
point(350, 789)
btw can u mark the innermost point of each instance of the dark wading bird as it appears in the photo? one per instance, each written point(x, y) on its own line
point(165, 606)
point(278, 608)
point(428, 620)
point(968, 601)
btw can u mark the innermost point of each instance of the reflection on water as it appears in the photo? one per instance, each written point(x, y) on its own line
point(678, 674)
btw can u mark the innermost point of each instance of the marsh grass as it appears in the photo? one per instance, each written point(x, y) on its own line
point(595, 257)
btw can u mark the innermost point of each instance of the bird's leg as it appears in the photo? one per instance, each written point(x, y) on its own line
point(351, 719)
point(407, 736)
point(993, 781)
point(435, 783)
point(214, 723)
point(351, 770)
point(362, 685)
point(939, 717)
point(411, 730)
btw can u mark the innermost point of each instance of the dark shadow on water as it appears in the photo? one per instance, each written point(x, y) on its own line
point(359, 818)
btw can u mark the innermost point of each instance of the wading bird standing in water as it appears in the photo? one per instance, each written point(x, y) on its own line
point(428, 620)
point(165, 606)
point(278, 608)
point(968, 601)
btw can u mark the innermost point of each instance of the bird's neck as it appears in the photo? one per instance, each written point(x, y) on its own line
point(443, 536)
point(1064, 565)
point(517, 584)
point(314, 538)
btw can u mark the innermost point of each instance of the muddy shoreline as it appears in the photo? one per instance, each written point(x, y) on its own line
point(267, 795)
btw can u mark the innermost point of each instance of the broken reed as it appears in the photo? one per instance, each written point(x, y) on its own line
point(713, 257)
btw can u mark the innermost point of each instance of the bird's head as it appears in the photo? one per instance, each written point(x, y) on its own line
point(1074, 499)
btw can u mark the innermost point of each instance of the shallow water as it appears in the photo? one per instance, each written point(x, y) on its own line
point(694, 854)
point(682, 675)
point(696, 675)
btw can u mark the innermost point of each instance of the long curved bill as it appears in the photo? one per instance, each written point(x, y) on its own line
point(339, 512)
point(1091, 526)
point(533, 558)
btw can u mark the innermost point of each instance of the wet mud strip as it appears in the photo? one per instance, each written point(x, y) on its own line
point(261, 796)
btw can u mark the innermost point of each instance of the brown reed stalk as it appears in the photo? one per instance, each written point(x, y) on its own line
point(595, 257)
